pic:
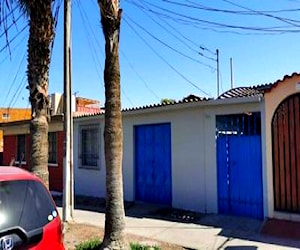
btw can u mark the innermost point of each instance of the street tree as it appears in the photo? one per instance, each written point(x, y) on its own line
point(41, 35)
point(114, 238)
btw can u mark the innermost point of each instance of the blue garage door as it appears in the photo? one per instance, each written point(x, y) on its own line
point(153, 163)
point(239, 157)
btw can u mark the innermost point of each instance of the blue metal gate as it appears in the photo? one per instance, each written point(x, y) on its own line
point(153, 163)
point(239, 163)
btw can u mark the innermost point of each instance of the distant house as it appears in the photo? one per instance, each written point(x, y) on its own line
point(12, 114)
point(238, 154)
point(17, 138)
point(17, 148)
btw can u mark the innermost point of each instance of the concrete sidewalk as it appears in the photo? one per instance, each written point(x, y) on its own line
point(207, 232)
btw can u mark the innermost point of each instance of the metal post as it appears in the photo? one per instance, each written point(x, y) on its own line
point(231, 73)
point(67, 168)
point(218, 74)
point(71, 141)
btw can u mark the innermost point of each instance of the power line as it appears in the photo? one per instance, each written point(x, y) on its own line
point(126, 96)
point(17, 93)
point(56, 13)
point(167, 13)
point(88, 32)
point(92, 46)
point(14, 80)
point(6, 46)
point(139, 76)
point(164, 60)
point(168, 46)
point(6, 15)
point(205, 8)
point(93, 42)
point(288, 21)
point(171, 32)
point(13, 49)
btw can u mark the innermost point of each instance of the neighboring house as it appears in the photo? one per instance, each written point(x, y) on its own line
point(17, 138)
point(17, 148)
point(238, 154)
point(12, 114)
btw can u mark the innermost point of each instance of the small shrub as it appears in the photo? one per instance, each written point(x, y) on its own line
point(93, 244)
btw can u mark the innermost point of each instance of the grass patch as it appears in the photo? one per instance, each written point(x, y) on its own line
point(137, 246)
point(94, 244)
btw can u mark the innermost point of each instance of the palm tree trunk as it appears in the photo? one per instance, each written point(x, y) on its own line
point(113, 132)
point(41, 34)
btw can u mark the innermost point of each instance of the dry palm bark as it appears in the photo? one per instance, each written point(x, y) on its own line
point(41, 35)
point(113, 133)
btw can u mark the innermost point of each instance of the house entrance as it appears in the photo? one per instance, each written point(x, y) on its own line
point(286, 155)
point(153, 180)
point(239, 165)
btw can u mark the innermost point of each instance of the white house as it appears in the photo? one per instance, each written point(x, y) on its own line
point(204, 155)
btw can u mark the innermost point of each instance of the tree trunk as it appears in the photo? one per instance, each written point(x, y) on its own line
point(41, 34)
point(113, 132)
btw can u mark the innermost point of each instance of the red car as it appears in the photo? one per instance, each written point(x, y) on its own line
point(28, 215)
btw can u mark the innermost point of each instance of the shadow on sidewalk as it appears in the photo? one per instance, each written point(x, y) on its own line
point(230, 226)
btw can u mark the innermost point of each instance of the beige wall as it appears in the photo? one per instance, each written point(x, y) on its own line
point(283, 89)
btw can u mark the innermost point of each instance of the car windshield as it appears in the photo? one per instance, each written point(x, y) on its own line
point(25, 204)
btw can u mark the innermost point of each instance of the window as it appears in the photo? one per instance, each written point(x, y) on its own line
point(52, 147)
point(25, 204)
point(21, 145)
point(5, 116)
point(89, 147)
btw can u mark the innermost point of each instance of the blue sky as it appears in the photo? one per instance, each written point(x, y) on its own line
point(155, 64)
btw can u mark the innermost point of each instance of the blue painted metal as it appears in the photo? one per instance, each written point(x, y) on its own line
point(239, 160)
point(153, 163)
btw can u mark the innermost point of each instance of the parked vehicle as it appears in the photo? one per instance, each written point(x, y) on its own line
point(28, 214)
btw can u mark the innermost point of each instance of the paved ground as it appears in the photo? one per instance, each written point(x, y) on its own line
point(190, 230)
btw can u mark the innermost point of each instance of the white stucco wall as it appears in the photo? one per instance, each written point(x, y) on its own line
point(89, 182)
point(194, 170)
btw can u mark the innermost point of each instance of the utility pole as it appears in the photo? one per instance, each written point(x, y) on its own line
point(231, 73)
point(67, 214)
point(218, 74)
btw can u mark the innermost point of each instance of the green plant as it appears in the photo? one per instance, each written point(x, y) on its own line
point(92, 244)
point(137, 246)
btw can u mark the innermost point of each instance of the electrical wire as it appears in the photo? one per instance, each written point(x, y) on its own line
point(139, 76)
point(88, 30)
point(102, 67)
point(165, 61)
point(13, 49)
point(285, 20)
point(170, 47)
point(171, 32)
point(18, 92)
point(11, 40)
point(198, 6)
point(14, 79)
point(189, 20)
